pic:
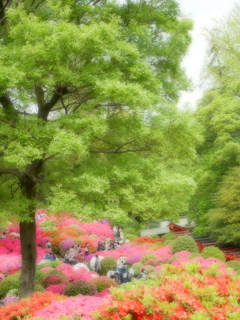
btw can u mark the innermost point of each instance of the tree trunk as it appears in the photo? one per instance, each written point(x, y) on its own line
point(28, 246)
point(28, 230)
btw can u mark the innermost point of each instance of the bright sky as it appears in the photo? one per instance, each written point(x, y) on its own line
point(203, 13)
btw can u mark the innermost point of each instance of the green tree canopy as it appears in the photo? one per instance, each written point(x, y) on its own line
point(218, 113)
point(224, 219)
point(88, 122)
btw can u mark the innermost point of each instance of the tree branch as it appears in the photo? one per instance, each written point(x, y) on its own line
point(3, 7)
point(43, 110)
point(12, 171)
point(7, 105)
point(120, 152)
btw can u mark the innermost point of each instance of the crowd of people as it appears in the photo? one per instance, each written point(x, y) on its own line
point(77, 253)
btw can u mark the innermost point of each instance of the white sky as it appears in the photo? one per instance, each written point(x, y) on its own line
point(203, 13)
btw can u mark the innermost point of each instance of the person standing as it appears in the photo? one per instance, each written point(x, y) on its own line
point(115, 230)
point(101, 246)
point(123, 273)
point(80, 256)
point(49, 245)
point(121, 235)
point(120, 263)
point(143, 274)
point(97, 264)
point(87, 251)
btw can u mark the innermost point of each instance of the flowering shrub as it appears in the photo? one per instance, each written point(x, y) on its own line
point(65, 245)
point(213, 252)
point(47, 225)
point(148, 269)
point(177, 295)
point(183, 254)
point(56, 288)
point(108, 263)
point(102, 283)
point(59, 273)
point(49, 263)
point(143, 240)
point(83, 240)
point(148, 257)
point(57, 240)
point(45, 269)
point(169, 236)
point(10, 262)
point(27, 307)
point(153, 262)
point(137, 268)
point(41, 241)
point(134, 259)
point(74, 275)
point(156, 245)
point(99, 229)
point(52, 279)
point(235, 265)
point(130, 236)
point(81, 231)
point(184, 243)
point(51, 233)
point(103, 293)
point(70, 231)
point(9, 283)
point(80, 287)
point(10, 299)
point(79, 307)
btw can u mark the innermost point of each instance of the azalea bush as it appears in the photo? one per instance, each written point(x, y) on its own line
point(56, 288)
point(55, 271)
point(213, 252)
point(28, 306)
point(99, 229)
point(137, 268)
point(56, 242)
point(179, 294)
point(80, 287)
point(74, 308)
point(9, 283)
point(130, 236)
point(72, 232)
point(108, 263)
point(47, 225)
point(169, 236)
point(143, 240)
point(49, 264)
point(52, 279)
point(184, 243)
point(148, 257)
point(134, 259)
point(65, 245)
point(51, 233)
point(235, 265)
point(153, 262)
point(102, 283)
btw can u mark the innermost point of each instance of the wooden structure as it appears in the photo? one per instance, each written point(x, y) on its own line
point(231, 253)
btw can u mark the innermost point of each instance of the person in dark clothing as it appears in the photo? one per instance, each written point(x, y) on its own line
point(124, 274)
point(111, 246)
point(101, 246)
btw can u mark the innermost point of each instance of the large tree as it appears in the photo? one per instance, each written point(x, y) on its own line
point(224, 219)
point(87, 117)
point(219, 114)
